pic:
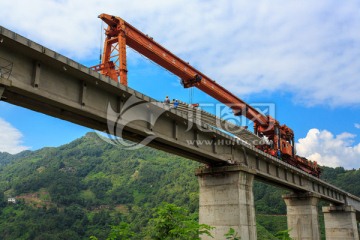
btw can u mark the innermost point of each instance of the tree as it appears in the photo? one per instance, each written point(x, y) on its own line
point(121, 232)
point(174, 222)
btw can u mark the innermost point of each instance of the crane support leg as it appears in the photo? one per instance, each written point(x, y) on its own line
point(122, 58)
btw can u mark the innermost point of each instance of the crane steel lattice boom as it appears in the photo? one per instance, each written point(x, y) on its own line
point(119, 33)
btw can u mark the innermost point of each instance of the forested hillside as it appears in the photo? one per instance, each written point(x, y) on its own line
point(83, 188)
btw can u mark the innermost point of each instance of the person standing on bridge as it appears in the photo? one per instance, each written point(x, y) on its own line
point(176, 103)
point(167, 102)
point(278, 153)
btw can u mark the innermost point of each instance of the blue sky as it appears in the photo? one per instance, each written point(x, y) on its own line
point(303, 56)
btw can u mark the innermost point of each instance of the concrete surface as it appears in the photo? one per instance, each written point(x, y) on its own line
point(302, 216)
point(340, 223)
point(227, 201)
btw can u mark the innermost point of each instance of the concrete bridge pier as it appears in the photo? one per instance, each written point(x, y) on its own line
point(302, 216)
point(227, 201)
point(340, 223)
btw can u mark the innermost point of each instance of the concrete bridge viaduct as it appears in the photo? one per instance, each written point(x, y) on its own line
point(37, 78)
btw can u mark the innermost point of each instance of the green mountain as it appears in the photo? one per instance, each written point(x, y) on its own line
point(82, 188)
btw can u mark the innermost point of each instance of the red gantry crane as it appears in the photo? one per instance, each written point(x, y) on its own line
point(119, 33)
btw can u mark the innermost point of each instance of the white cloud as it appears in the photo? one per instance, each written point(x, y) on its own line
point(329, 150)
point(308, 48)
point(357, 125)
point(10, 138)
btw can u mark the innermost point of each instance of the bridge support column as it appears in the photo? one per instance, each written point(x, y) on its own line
point(227, 201)
point(302, 216)
point(340, 223)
